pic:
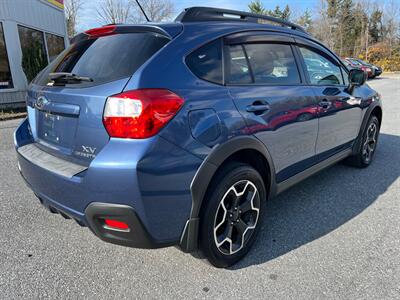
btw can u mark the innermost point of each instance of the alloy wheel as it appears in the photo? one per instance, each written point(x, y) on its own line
point(236, 217)
point(370, 142)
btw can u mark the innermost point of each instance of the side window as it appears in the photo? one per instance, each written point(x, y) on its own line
point(206, 62)
point(272, 64)
point(238, 71)
point(321, 70)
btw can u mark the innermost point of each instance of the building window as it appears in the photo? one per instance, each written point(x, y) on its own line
point(34, 57)
point(55, 45)
point(5, 74)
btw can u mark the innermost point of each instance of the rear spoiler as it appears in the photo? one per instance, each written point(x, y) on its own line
point(168, 30)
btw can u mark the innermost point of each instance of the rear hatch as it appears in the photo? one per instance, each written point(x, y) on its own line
point(66, 100)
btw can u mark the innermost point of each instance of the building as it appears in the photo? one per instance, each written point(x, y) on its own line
point(32, 34)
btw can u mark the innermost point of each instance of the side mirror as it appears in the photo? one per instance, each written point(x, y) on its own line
point(357, 77)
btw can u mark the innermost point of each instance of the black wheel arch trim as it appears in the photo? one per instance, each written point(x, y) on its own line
point(367, 115)
point(204, 175)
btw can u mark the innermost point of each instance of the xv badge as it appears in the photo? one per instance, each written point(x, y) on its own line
point(88, 150)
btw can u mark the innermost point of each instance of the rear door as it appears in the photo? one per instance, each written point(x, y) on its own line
point(269, 90)
point(339, 111)
point(66, 115)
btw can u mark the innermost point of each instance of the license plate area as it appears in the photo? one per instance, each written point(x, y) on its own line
point(57, 130)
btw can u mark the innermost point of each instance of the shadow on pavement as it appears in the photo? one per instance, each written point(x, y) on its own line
point(323, 203)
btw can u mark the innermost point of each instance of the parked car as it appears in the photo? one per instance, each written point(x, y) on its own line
point(178, 133)
point(372, 70)
point(355, 64)
point(377, 71)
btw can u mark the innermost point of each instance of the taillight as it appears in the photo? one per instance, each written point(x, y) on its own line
point(101, 31)
point(140, 114)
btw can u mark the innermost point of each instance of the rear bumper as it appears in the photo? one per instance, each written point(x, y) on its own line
point(146, 182)
point(137, 236)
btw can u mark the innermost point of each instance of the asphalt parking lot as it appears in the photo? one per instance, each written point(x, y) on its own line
point(336, 235)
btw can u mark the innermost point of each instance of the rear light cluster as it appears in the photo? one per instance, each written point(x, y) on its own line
point(140, 114)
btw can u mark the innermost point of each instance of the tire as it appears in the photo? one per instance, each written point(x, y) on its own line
point(226, 233)
point(367, 147)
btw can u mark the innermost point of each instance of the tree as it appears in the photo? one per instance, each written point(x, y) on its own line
point(114, 11)
point(305, 20)
point(286, 13)
point(392, 34)
point(345, 27)
point(72, 9)
point(257, 7)
point(278, 13)
point(375, 26)
point(156, 10)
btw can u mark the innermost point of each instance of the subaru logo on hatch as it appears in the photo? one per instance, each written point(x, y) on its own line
point(41, 102)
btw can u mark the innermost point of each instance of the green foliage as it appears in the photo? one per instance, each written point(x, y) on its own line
point(305, 20)
point(375, 26)
point(33, 60)
point(257, 7)
point(281, 14)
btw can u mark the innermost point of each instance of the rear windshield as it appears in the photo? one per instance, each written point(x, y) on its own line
point(106, 58)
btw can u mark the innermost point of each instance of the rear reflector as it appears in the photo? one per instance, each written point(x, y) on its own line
point(140, 114)
point(101, 31)
point(118, 225)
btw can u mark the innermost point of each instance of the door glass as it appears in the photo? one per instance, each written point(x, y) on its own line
point(272, 64)
point(5, 74)
point(321, 70)
point(238, 69)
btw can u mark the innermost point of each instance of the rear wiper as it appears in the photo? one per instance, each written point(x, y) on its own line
point(64, 77)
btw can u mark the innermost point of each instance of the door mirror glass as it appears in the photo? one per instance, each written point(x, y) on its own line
point(357, 77)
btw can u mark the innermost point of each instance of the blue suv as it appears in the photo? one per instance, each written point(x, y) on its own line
point(177, 134)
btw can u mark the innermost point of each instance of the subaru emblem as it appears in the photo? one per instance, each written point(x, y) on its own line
point(41, 102)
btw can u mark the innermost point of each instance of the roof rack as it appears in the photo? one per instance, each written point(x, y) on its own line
point(204, 14)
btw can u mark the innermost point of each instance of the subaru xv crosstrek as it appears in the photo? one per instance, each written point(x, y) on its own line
point(169, 134)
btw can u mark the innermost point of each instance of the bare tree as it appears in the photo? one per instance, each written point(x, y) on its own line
point(392, 23)
point(156, 10)
point(114, 11)
point(72, 9)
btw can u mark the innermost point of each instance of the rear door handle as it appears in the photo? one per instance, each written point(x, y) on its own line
point(258, 107)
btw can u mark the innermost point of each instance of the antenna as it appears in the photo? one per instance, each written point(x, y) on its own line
point(144, 13)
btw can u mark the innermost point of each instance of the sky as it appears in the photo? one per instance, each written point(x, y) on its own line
point(89, 20)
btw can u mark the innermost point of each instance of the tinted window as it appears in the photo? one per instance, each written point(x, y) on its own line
point(206, 62)
point(272, 64)
point(106, 58)
point(321, 70)
point(34, 57)
point(238, 71)
point(5, 74)
point(55, 45)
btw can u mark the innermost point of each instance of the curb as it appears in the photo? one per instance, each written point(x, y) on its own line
point(13, 117)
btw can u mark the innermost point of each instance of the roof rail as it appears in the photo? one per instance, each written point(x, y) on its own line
point(204, 14)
